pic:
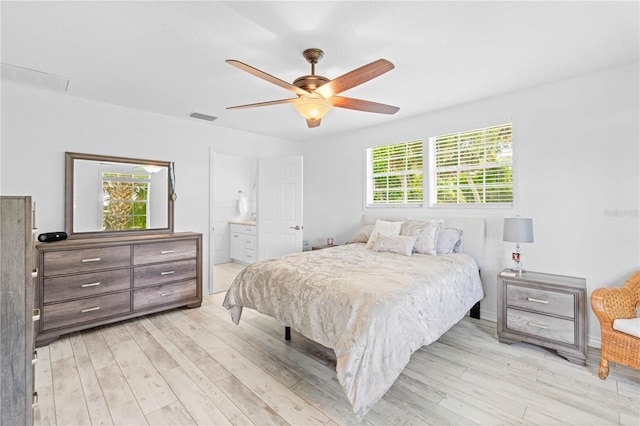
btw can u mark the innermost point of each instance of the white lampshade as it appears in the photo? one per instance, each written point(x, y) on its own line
point(518, 230)
point(312, 107)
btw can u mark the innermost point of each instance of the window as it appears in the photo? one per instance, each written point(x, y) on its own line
point(394, 175)
point(472, 167)
point(125, 199)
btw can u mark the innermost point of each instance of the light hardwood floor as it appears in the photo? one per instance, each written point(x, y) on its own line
point(194, 366)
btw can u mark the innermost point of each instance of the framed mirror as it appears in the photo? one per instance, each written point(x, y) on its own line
point(108, 196)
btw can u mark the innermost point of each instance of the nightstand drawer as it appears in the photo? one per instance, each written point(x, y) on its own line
point(547, 327)
point(538, 300)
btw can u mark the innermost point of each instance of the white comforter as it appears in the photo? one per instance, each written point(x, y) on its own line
point(374, 309)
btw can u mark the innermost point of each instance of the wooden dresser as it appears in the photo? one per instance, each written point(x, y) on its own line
point(17, 316)
point(95, 281)
point(544, 309)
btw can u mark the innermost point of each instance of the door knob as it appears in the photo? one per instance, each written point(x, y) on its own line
point(297, 228)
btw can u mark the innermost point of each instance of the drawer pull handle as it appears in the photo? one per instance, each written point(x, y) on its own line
point(166, 293)
point(36, 315)
point(34, 273)
point(90, 284)
point(34, 359)
point(34, 400)
point(167, 273)
point(531, 299)
point(542, 326)
point(167, 251)
point(235, 235)
point(94, 259)
point(95, 308)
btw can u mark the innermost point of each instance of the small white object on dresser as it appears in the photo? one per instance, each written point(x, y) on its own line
point(544, 309)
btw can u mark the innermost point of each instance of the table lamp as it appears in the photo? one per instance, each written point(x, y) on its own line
point(518, 230)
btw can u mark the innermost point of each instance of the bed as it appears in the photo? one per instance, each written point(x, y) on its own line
point(374, 308)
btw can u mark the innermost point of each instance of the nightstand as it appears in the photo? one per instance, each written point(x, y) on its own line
point(544, 309)
point(324, 246)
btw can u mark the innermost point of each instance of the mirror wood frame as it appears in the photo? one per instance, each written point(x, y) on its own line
point(70, 158)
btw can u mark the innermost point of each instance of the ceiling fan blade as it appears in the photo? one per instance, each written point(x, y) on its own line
point(354, 78)
point(268, 77)
point(260, 104)
point(360, 105)
point(313, 123)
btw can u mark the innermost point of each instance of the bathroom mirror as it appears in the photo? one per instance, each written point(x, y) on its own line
point(108, 196)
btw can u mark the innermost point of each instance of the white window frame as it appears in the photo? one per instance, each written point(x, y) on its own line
point(370, 175)
point(459, 168)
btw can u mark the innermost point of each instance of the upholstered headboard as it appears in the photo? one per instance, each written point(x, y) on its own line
point(473, 231)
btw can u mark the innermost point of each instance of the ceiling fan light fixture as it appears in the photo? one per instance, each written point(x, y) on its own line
point(312, 107)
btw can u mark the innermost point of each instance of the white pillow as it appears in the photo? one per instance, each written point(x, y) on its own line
point(399, 244)
point(426, 231)
point(385, 228)
point(362, 236)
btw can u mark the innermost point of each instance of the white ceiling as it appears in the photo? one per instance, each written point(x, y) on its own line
point(168, 57)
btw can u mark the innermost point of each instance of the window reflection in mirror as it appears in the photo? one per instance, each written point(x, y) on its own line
point(121, 195)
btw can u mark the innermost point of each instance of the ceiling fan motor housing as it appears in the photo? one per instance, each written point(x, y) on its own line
point(310, 82)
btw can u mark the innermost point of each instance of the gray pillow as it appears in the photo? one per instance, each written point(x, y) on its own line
point(362, 236)
point(448, 240)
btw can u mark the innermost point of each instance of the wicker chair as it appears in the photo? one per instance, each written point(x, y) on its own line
point(609, 304)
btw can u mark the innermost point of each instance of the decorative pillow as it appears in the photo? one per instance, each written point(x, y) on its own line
point(448, 240)
point(426, 231)
point(362, 236)
point(383, 227)
point(399, 244)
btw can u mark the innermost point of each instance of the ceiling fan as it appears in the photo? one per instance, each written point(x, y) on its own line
point(317, 94)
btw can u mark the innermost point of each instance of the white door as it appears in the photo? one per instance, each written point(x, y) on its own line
point(279, 204)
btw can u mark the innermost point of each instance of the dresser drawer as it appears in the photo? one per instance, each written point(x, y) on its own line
point(164, 251)
point(164, 272)
point(167, 293)
point(82, 310)
point(539, 300)
point(85, 285)
point(547, 327)
point(85, 260)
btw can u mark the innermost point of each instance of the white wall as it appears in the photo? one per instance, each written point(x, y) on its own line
point(576, 147)
point(38, 126)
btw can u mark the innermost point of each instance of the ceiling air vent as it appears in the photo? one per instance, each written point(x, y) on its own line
point(201, 116)
point(34, 78)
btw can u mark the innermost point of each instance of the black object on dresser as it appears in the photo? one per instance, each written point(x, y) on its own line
point(95, 281)
point(544, 309)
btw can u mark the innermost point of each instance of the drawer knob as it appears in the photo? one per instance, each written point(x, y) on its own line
point(34, 273)
point(167, 251)
point(167, 273)
point(34, 359)
point(34, 400)
point(93, 259)
point(36, 315)
point(95, 308)
point(542, 326)
point(531, 299)
point(90, 284)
